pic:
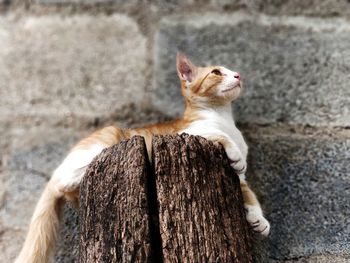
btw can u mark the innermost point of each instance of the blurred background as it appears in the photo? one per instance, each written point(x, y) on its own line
point(68, 67)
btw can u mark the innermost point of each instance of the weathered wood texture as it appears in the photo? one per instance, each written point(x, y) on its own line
point(187, 208)
point(114, 218)
point(201, 213)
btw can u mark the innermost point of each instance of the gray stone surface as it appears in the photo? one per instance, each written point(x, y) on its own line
point(119, 2)
point(303, 185)
point(68, 242)
point(25, 174)
point(87, 1)
point(65, 67)
point(317, 259)
point(295, 70)
point(300, 7)
point(9, 244)
point(289, 7)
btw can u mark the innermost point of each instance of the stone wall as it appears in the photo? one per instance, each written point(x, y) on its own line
point(68, 67)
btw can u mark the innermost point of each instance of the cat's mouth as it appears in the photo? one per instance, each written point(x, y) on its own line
point(231, 88)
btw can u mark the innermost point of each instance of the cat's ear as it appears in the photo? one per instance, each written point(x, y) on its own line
point(185, 69)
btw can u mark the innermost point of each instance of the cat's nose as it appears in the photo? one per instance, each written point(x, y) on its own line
point(237, 75)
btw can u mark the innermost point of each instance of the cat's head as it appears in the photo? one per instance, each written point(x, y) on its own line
point(208, 86)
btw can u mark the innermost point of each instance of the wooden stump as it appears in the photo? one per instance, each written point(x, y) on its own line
point(187, 208)
point(114, 218)
point(201, 213)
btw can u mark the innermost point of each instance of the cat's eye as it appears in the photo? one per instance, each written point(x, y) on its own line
point(216, 72)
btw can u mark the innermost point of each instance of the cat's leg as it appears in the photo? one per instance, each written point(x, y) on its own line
point(64, 184)
point(254, 212)
point(68, 175)
point(237, 160)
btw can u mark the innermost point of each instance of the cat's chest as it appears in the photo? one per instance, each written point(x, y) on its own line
point(214, 123)
point(210, 123)
point(216, 127)
point(207, 127)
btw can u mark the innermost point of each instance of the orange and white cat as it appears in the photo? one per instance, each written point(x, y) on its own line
point(208, 92)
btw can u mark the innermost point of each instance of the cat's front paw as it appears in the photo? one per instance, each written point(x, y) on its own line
point(257, 221)
point(239, 166)
point(237, 161)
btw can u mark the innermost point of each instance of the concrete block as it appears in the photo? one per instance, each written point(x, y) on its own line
point(65, 67)
point(87, 1)
point(23, 178)
point(26, 172)
point(159, 3)
point(316, 259)
point(295, 69)
point(58, 1)
point(303, 185)
point(289, 7)
point(10, 238)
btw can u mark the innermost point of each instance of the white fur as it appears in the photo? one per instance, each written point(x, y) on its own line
point(71, 171)
point(256, 219)
point(219, 122)
point(229, 82)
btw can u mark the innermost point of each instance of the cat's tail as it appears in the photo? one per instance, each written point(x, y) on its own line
point(43, 228)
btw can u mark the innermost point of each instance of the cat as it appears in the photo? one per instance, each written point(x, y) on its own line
point(208, 93)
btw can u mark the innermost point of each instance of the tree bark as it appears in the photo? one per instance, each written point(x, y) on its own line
point(201, 213)
point(187, 208)
point(114, 218)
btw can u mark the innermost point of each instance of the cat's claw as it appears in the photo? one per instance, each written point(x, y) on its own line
point(257, 221)
point(239, 166)
point(237, 162)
